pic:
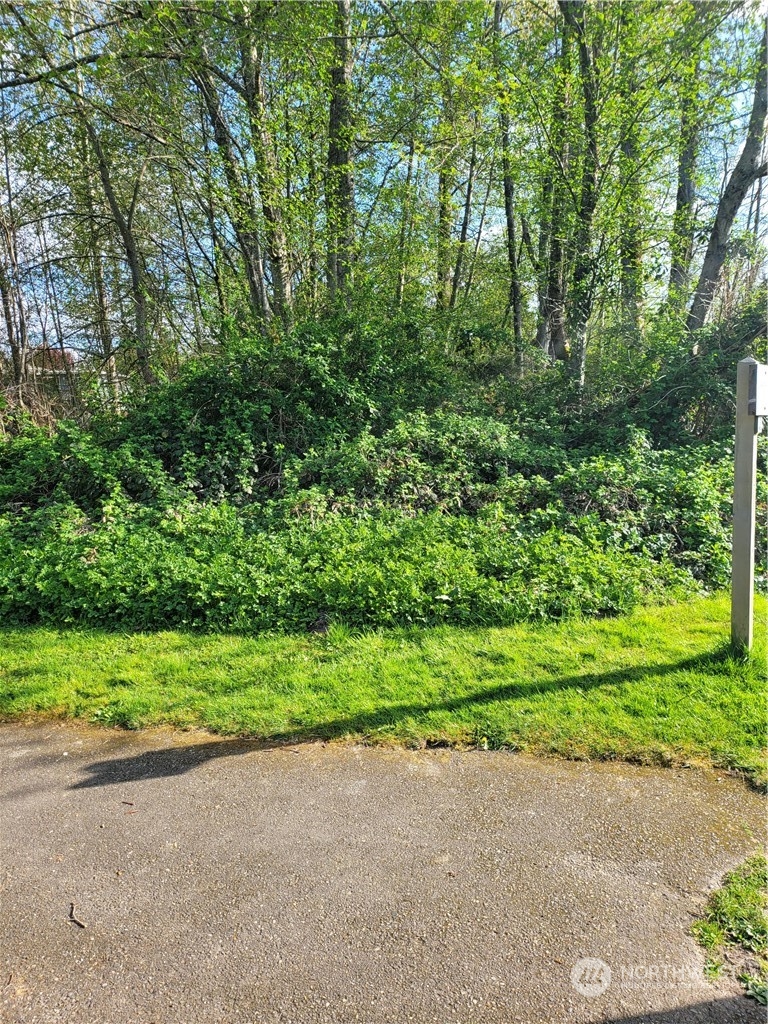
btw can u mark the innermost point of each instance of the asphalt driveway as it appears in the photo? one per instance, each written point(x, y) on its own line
point(222, 881)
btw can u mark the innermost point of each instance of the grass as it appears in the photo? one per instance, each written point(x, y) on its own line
point(734, 926)
point(659, 686)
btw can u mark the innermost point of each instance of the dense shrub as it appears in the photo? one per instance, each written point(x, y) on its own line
point(441, 518)
point(209, 567)
point(443, 460)
point(329, 477)
point(663, 504)
point(674, 504)
point(226, 426)
point(38, 469)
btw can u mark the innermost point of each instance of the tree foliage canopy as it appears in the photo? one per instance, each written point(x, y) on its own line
point(545, 175)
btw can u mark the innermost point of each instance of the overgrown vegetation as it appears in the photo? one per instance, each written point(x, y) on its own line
point(289, 487)
point(734, 928)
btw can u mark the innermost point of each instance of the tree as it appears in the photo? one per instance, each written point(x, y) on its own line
point(748, 169)
point(583, 277)
point(515, 291)
point(180, 172)
point(340, 188)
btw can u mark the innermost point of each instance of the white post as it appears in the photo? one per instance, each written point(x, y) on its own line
point(744, 495)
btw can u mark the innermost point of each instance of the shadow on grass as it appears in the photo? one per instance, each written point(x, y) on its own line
point(178, 760)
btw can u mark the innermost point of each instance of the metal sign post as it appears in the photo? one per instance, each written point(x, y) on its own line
point(751, 404)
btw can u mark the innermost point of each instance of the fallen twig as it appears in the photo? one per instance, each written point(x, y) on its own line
point(73, 918)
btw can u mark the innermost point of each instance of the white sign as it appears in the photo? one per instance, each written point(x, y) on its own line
point(758, 390)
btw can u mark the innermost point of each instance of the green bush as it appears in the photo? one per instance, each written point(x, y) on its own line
point(282, 486)
point(72, 465)
point(226, 426)
point(439, 460)
point(674, 504)
point(210, 567)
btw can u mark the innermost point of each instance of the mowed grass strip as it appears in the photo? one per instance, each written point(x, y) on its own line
point(658, 686)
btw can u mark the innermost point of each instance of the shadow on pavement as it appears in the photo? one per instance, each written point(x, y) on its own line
point(159, 764)
point(739, 1010)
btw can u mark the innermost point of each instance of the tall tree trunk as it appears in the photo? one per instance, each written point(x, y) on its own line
point(267, 174)
point(583, 279)
point(242, 213)
point(104, 326)
point(480, 225)
point(405, 224)
point(444, 225)
point(13, 307)
point(314, 194)
point(19, 368)
point(190, 272)
point(758, 200)
point(10, 278)
point(631, 250)
point(479, 233)
point(541, 263)
point(559, 159)
point(99, 284)
point(139, 284)
point(681, 239)
point(515, 295)
point(207, 204)
point(747, 170)
point(340, 191)
point(457, 270)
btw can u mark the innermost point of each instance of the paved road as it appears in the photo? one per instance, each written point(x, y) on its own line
point(226, 883)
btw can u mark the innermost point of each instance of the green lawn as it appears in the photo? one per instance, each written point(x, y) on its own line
point(658, 686)
point(735, 927)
